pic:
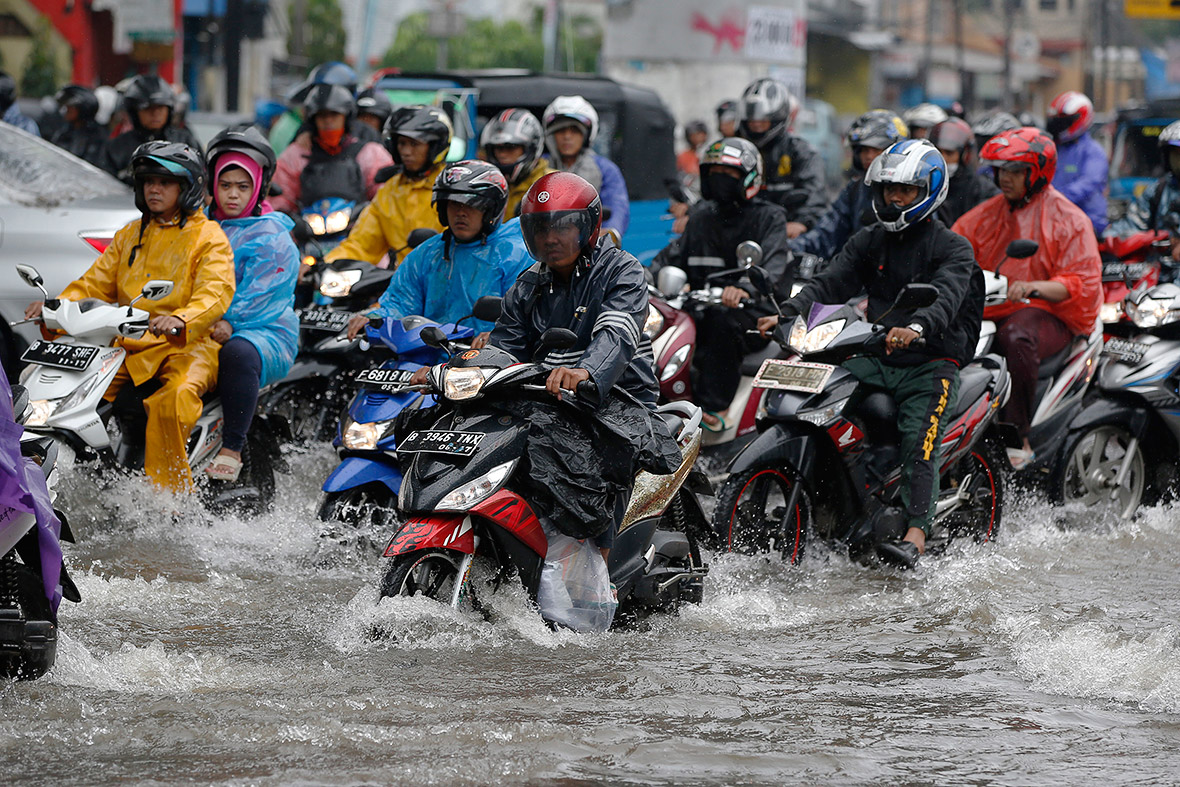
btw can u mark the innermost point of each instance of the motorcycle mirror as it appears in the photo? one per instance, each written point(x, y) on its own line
point(302, 232)
point(432, 336)
point(419, 236)
point(761, 279)
point(487, 308)
point(1022, 249)
point(671, 280)
point(749, 253)
point(29, 276)
point(915, 295)
point(157, 289)
point(558, 339)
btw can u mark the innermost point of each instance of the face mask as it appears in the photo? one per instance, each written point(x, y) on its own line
point(951, 169)
point(330, 140)
point(723, 188)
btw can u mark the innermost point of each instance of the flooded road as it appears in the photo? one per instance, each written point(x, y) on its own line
point(239, 652)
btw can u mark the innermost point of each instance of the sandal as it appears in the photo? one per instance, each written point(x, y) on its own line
point(224, 468)
point(1021, 459)
point(720, 426)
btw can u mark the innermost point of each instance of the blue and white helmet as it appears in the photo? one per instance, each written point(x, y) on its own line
point(911, 162)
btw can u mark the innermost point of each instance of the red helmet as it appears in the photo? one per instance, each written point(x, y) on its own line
point(561, 199)
point(1025, 148)
point(1070, 115)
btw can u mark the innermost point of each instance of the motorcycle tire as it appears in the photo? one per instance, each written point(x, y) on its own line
point(28, 647)
point(427, 572)
point(363, 517)
point(1089, 462)
point(985, 469)
point(751, 517)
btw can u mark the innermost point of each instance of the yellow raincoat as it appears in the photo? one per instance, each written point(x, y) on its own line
point(199, 261)
point(400, 206)
point(517, 191)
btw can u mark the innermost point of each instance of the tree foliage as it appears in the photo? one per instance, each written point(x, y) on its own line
point(490, 44)
point(41, 77)
point(323, 31)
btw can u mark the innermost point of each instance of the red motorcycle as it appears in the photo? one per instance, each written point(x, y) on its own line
point(1129, 263)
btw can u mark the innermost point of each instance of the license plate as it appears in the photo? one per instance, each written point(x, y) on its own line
point(433, 441)
point(60, 354)
point(793, 375)
point(1125, 350)
point(324, 319)
point(387, 380)
point(1125, 271)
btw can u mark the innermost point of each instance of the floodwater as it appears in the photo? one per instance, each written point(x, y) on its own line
point(238, 652)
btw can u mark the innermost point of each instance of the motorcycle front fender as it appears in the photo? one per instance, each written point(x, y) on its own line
point(1105, 411)
point(434, 531)
point(779, 444)
point(357, 471)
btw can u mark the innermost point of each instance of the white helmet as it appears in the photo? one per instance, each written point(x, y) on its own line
point(924, 116)
point(911, 162)
point(569, 110)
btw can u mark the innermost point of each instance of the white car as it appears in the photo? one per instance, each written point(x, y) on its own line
point(57, 213)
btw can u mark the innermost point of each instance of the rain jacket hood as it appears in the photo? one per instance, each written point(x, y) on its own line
point(266, 265)
point(441, 280)
point(400, 206)
point(1068, 253)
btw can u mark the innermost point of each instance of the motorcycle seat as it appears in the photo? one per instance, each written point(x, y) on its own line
point(973, 381)
point(753, 362)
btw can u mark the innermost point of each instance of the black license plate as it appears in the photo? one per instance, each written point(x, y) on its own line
point(324, 319)
point(433, 441)
point(1125, 350)
point(388, 380)
point(60, 354)
point(1125, 271)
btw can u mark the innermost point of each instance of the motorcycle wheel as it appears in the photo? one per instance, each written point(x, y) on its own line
point(981, 472)
point(305, 408)
point(428, 572)
point(751, 515)
point(1089, 465)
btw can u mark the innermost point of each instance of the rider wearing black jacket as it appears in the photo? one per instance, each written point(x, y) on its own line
point(731, 174)
point(908, 245)
point(150, 104)
point(956, 142)
point(81, 134)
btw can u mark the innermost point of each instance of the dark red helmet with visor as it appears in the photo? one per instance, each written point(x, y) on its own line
point(559, 201)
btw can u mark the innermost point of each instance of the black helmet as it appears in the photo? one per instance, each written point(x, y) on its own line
point(726, 110)
point(475, 183)
point(766, 99)
point(514, 127)
point(7, 91)
point(991, 123)
point(147, 91)
point(329, 98)
point(330, 73)
point(877, 128)
point(173, 160)
point(78, 96)
point(373, 101)
point(249, 141)
point(737, 154)
point(425, 124)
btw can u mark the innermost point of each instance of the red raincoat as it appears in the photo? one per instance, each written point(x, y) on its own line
point(1068, 253)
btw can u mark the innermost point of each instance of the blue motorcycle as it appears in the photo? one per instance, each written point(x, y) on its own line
point(362, 490)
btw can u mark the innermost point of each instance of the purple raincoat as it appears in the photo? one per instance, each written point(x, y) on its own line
point(22, 488)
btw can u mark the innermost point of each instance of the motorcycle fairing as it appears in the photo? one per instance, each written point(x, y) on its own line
point(513, 513)
point(357, 471)
point(434, 532)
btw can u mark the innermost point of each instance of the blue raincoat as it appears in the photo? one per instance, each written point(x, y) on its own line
point(266, 265)
point(1081, 174)
point(441, 279)
point(22, 489)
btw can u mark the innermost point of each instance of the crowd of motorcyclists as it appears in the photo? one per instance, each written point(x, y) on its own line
point(930, 199)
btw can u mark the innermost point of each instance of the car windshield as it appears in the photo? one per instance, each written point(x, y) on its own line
point(37, 174)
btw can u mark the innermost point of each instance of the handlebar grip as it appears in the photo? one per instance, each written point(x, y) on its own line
point(587, 391)
point(919, 342)
point(746, 302)
point(175, 331)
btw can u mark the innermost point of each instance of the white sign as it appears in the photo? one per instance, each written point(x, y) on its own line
point(776, 34)
point(137, 17)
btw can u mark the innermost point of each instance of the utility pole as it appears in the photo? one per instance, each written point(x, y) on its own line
point(297, 42)
point(928, 50)
point(1009, 24)
point(966, 85)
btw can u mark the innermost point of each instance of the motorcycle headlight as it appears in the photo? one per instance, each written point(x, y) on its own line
point(316, 222)
point(463, 498)
point(364, 436)
point(674, 363)
point(337, 221)
point(654, 322)
point(825, 415)
point(804, 341)
point(1152, 313)
point(337, 284)
point(1111, 312)
point(460, 384)
point(40, 411)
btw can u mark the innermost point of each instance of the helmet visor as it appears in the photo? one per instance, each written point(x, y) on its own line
point(556, 236)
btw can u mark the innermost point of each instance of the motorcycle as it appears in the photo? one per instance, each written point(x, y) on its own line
point(460, 500)
point(1128, 264)
point(1122, 446)
point(364, 486)
point(1063, 380)
point(28, 622)
point(671, 324)
point(67, 378)
point(818, 471)
point(320, 228)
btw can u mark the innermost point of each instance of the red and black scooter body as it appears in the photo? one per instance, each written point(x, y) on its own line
point(1128, 264)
